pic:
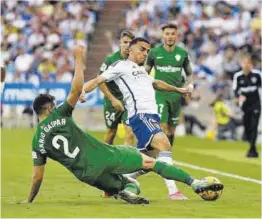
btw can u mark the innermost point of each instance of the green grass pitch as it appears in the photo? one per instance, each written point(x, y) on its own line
point(63, 196)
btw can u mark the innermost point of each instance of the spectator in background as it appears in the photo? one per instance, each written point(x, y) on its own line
point(33, 30)
point(223, 119)
point(23, 62)
point(230, 61)
point(189, 120)
point(47, 70)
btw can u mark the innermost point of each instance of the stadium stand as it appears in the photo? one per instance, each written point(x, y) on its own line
point(216, 34)
point(37, 37)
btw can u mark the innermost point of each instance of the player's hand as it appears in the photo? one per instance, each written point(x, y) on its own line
point(241, 100)
point(183, 90)
point(117, 104)
point(82, 98)
point(190, 87)
point(79, 51)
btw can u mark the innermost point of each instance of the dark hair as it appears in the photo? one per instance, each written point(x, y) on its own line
point(138, 39)
point(39, 104)
point(128, 33)
point(173, 26)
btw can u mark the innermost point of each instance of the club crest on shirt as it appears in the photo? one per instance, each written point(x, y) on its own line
point(253, 79)
point(178, 57)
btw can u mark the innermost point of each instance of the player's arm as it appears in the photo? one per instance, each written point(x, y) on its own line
point(239, 98)
point(161, 85)
point(90, 86)
point(38, 174)
point(108, 75)
point(149, 64)
point(78, 79)
point(187, 65)
point(115, 102)
point(103, 87)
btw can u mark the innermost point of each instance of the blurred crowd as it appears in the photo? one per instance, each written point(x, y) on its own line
point(216, 33)
point(37, 37)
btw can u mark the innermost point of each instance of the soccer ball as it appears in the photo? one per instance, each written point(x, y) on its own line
point(210, 195)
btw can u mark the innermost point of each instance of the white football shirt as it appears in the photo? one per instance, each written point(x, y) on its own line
point(135, 84)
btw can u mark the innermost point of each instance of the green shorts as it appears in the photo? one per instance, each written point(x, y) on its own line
point(169, 107)
point(124, 159)
point(113, 117)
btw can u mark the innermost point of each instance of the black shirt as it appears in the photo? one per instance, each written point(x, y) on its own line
point(248, 86)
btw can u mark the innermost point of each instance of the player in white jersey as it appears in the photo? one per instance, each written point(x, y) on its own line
point(139, 98)
point(132, 80)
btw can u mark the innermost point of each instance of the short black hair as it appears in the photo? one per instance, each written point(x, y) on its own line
point(39, 104)
point(138, 39)
point(128, 33)
point(173, 26)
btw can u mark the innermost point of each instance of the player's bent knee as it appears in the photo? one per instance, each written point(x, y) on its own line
point(148, 162)
point(160, 142)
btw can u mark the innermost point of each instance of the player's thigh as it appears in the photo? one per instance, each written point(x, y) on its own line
point(112, 117)
point(130, 138)
point(112, 183)
point(127, 159)
point(174, 111)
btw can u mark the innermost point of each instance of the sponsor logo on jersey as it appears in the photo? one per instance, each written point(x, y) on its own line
point(103, 67)
point(168, 68)
point(178, 57)
point(159, 57)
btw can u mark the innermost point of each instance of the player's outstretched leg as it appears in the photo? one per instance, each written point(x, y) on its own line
point(200, 186)
point(121, 187)
point(132, 198)
point(131, 192)
point(171, 172)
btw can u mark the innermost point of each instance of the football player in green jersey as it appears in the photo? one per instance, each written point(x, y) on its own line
point(169, 60)
point(114, 112)
point(97, 164)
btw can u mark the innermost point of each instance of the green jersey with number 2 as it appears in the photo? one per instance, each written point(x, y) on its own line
point(59, 138)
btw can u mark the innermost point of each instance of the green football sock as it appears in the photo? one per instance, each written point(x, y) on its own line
point(132, 187)
point(171, 172)
point(171, 139)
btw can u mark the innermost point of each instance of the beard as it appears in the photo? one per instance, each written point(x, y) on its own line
point(170, 44)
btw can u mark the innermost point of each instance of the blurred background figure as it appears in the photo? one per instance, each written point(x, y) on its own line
point(246, 85)
point(224, 119)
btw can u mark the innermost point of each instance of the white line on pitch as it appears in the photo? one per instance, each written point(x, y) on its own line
point(218, 172)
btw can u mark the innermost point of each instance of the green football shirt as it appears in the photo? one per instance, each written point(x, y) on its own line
point(109, 60)
point(169, 65)
point(59, 138)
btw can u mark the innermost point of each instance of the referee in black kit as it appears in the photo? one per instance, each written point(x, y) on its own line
point(246, 85)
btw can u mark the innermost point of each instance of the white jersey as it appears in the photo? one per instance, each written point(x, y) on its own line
point(136, 86)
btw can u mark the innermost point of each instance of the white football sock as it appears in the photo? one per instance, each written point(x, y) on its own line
point(166, 156)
